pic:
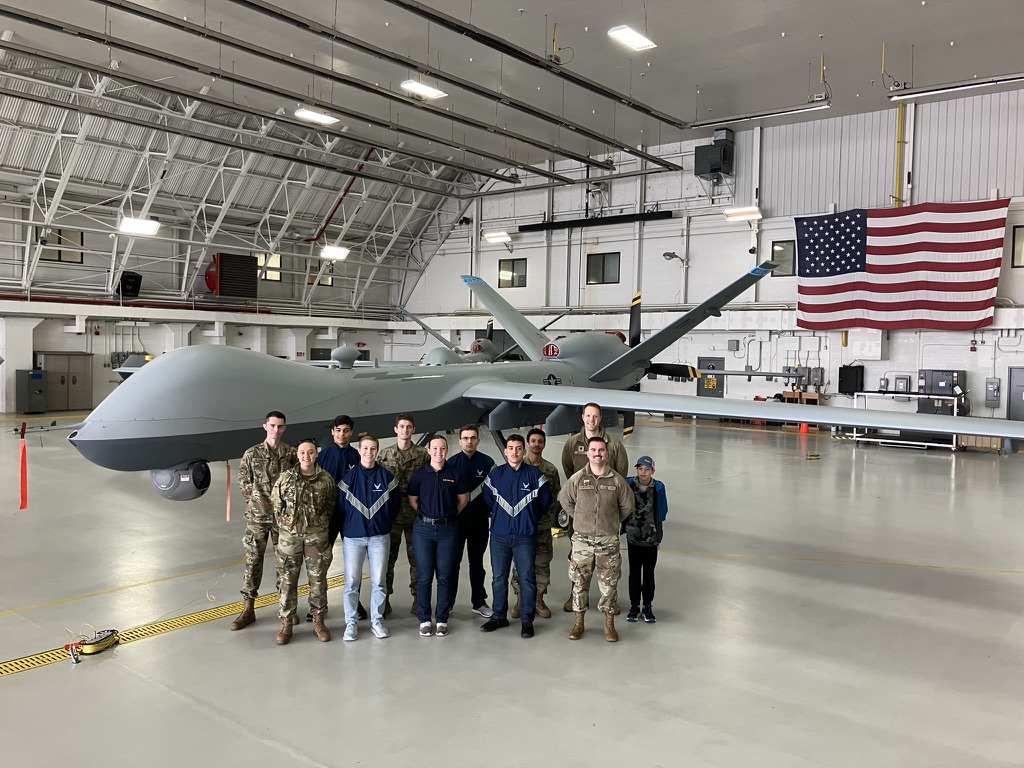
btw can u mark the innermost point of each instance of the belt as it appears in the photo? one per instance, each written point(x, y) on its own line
point(437, 520)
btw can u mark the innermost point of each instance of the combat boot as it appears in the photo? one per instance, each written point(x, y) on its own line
point(609, 628)
point(286, 631)
point(387, 606)
point(323, 634)
point(515, 608)
point(542, 610)
point(577, 628)
point(568, 605)
point(415, 610)
point(247, 616)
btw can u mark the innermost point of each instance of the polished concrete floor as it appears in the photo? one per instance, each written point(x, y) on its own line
point(862, 609)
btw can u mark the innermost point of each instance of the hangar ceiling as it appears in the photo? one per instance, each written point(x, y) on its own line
point(185, 112)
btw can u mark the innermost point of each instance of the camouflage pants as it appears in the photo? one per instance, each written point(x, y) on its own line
point(542, 564)
point(587, 553)
point(292, 548)
point(403, 524)
point(255, 545)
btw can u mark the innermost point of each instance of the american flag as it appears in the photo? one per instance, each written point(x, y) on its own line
point(934, 265)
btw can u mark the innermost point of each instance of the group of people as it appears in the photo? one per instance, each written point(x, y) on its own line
point(301, 500)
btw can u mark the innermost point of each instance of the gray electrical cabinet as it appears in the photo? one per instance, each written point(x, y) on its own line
point(710, 384)
point(68, 380)
point(30, 391)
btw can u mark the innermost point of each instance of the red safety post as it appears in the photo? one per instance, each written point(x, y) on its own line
point(24, 470)
point(227, 511)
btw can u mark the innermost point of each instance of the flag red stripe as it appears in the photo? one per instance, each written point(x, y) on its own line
point(971, 207)
point(933, 226)
point(916, 285)
point(932, 266)
point(936, 305)
point(966, 246)
point(894, 325)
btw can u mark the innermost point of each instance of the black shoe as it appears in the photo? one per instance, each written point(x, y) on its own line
point(492, 624)
point(309, 616)
point(527, 630)
point(649, 615)
point(634, 613)
point(361, 613)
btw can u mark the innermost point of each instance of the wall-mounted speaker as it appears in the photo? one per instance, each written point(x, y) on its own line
point(129, 286)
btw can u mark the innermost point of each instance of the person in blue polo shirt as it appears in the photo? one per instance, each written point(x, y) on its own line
point(370, 500)
point(438, 494)
point(473, 465)
point(518, 495)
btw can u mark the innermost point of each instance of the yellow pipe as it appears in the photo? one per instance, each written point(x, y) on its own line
point(897, 193)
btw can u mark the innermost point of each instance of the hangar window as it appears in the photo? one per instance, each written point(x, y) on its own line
point(1018, 246)
point(325, 279)
point(64, 245)
point(512, 273)
point(270, 266)
point(602, 268)
point(784, 254)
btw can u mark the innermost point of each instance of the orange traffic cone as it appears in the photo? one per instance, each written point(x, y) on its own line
point(804, 429)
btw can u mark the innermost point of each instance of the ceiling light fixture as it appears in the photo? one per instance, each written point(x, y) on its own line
point(812, 107)
point(334, 252)
point(422, 89)
point(626, 34)
point(144, 227)
point(966, 85)
point(747, 213)
point(312, 116)
point(497, 236)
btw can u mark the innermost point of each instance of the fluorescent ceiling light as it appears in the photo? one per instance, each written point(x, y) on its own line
point(334, 252)
point(422, 89)
point(130, 226)
point(967, 85)
point(749, 213)
point(812, 107)
point(632, 38)
point(312, 116)
point(497, 236)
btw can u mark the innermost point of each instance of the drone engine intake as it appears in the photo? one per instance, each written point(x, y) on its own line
point(184, 482)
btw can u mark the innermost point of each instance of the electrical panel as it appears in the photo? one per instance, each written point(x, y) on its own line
point(947, 383)
point(851, 379)
point(992, 393)
point(902, 383)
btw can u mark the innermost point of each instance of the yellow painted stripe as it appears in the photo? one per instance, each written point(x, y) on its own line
point(152, 630)
point(72, 417)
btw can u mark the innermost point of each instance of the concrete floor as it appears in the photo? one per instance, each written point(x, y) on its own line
point(864, 609)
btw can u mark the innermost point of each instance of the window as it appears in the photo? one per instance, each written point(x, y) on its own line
point(1018, 246)
point(325, 279)
point(270, 266)
point(61, 245)
point(784, 254)
point(602, 268)
point(512, 273)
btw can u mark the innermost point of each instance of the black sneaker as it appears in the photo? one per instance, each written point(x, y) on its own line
point(527, 630)
point(309, 616)
point(634, 613)
point(649, 615)
point(492, 624)
point(361, 613)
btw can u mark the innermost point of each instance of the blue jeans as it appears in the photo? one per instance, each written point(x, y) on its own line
point(376, 547)
point(524, 550)
point(436, 547)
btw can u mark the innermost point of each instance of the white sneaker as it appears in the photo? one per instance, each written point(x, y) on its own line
point(425, 629)
point(442, 629)
point(351, 631)
point(484, 610)
point(379, 630)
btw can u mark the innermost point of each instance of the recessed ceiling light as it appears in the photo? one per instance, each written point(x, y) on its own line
point(333, 252)
point(422, 89)
point(632, 38)
point(145, 227)
point(312, 116)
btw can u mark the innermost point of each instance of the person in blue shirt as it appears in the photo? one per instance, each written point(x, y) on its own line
point(339, 458)
point(370, 500)
point(473, 466)
point(438, 495)
point(644, 532)
point(518, 495)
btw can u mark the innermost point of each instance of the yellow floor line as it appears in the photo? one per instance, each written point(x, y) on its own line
point(97, 593)
point(72, 417)
point(152, 630)
point(841, 561)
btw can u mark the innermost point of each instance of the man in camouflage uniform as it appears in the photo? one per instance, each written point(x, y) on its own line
point(304, 498)
point(574, 458)
point(260, 467)
point(597, 499)
point(401, 460)
point(535, 442)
